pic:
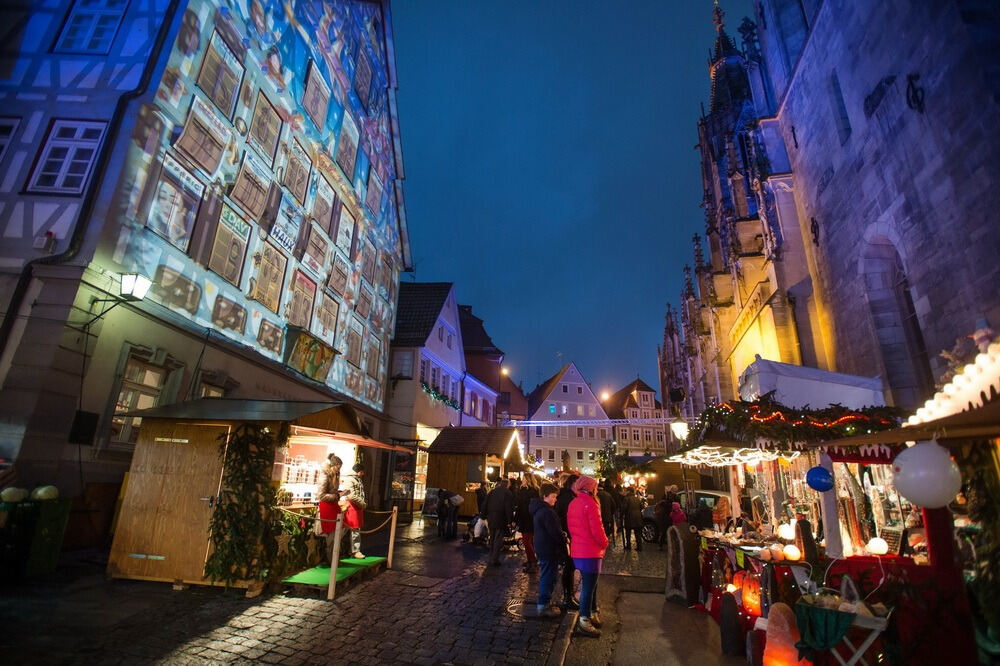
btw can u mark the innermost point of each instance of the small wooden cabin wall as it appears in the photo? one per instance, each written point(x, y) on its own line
point(451, 471)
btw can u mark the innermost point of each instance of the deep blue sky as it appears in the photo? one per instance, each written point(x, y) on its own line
point(551, 171)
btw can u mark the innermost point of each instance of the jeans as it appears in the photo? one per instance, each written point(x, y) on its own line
point(546, 581)
point(567, 577)
point(588, 593)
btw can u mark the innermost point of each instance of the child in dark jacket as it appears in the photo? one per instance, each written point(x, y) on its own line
point(550, 545)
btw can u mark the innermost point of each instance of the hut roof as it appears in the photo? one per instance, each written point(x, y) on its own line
point(474, 440)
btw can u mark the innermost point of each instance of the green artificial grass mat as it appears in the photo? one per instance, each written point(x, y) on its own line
point(321, 575)
point(362, 562)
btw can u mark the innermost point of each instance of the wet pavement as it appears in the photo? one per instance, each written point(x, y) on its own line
point(441, 604)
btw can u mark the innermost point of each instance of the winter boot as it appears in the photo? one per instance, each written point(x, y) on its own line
point(585, 627)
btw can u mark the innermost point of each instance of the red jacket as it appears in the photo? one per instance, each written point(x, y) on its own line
point(586, 532)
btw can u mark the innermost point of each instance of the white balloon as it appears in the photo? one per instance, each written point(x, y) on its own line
point(926, 475)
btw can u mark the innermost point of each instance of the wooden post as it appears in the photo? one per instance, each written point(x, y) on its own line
point(335, 557)
point(392, 535)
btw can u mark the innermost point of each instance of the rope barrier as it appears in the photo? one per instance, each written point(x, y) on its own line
point(333, 520)
point(386, 522)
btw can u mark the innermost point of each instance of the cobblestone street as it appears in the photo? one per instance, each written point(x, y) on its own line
point(441, 604)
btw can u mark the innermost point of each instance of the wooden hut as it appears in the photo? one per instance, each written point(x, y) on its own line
point(176, 474)
point(461, 458)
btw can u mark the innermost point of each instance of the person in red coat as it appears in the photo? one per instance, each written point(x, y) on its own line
point(587, 545)
point(329, 501)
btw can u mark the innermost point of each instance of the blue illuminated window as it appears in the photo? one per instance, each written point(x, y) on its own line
point(67, 157)
point(552, 409)
point(91, 26)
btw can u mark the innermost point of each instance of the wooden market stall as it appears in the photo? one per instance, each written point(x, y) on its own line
point(175, 482)
point(462, 458)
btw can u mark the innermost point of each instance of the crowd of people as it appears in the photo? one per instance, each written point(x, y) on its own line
point(565, 526)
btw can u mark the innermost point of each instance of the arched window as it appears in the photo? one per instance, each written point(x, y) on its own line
point(897, 329)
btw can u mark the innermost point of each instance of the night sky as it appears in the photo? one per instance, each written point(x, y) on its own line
point(551, 170)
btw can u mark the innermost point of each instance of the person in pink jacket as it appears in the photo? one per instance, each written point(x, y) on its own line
point(587, 544)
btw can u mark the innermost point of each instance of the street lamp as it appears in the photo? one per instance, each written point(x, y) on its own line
point(133, 287)
point(604, 396)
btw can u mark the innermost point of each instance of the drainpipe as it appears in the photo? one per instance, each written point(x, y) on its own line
point(90, 198)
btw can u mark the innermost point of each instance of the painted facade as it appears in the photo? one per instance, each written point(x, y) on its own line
point(244, 156)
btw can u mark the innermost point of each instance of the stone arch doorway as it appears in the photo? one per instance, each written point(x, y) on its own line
point(896, 327)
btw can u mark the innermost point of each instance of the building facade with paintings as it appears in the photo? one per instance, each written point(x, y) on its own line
point(841, 201)
point(242, 156)
point(565, 402)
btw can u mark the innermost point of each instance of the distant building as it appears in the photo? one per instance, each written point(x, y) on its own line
point(566, 397)
point(485, 362)
point(637, 401)
point(243, 157)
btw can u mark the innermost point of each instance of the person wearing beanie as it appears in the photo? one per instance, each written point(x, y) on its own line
point(353, 503)
point(587, 545)
point(566, 496)
point(550, 545)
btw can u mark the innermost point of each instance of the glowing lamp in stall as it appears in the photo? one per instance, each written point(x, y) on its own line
point(791, 553)
point(731, 588)
point(926, 475)
point(786, 531)
point(877, 546)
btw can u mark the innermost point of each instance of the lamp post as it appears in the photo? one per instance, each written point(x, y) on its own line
point(134, 287)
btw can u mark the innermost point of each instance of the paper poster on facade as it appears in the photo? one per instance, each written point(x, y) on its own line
point(175, 202)
point(368, 257)
point(270, 336)
point(316, 99)
point(364, 306)
point(339, 275)
point(227, 313)
point(323, 204)
point(220, 75)
point(175, 290)
point(345, 230)
point(316, 251)
point(285, 230)
point(229, 248)
point(311, 357)
point(363, 79)
point(347, 146)
point(373, 197)
point(326, 318)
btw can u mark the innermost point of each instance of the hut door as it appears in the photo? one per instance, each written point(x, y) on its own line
point(173, 484)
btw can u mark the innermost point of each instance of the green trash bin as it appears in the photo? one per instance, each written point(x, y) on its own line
point(31, 536)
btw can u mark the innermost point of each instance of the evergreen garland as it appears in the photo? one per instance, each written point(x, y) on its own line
point(245, 522)
point(979, 464)
point(768, 420)
point(437, 395)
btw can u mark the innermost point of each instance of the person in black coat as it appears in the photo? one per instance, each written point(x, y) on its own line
point(608, 509)
point(481, 500)
point(550, 545)
point(499, 515)
point(566, 495)
point(525, 525)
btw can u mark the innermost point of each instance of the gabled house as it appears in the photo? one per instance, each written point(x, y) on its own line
point(637, 401)
point(567, 400)
point(484, 365)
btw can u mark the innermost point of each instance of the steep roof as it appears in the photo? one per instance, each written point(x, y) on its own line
point(420, 304)
point(473, 440)
point(730, 85)
point(622, 399)
point(474, 335)
point(542, 391)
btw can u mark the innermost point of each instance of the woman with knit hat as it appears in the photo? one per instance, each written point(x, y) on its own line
point(587, 545)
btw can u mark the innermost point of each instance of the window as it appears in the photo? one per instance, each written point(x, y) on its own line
point(579, 433)
point(579, 390)
point(204, 137)
point(402, 364)
point(552, 454)
point(538, 454)
point(297, 172)
point(645, 398)
point(210, 391)
point(354, 333)
point(67, 158)
point(454, 390)
point(635, 435)
point(449, 340)
point(591, 411)
point(91, 26)
point(265, 127)
point(374, 353)
point(590, 433)
point(565, 389)
point(624, 433)
point(303, 297)
point(445, 384)
point(434, 376)
point(590, 455)
point(579, 410)
point(424, 363)
point(604, 433)
point(552, 408)
point(840, 116)
point(440, 333)
point(648, 435)
point(141, 385)
point(316, 98)
point(250, 188)
point(538, 431)
point(659, 437)
point(7, 128)
point(230, 246)
point(579, 455)
point(505, 397)
point(564, 409)
point(220, 74)
point(270, 277)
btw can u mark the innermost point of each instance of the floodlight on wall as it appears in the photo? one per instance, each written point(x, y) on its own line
point(679, 429)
